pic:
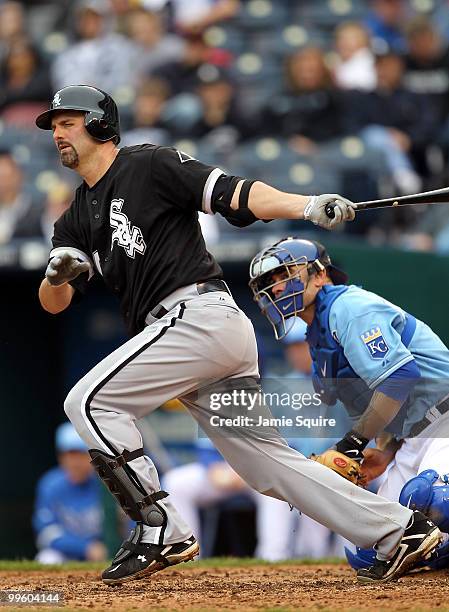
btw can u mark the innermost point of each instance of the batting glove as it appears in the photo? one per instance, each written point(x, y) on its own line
point(315, 210)
point(64, 267)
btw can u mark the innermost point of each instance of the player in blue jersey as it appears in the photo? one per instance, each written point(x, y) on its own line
point(389, 369)
point(68, 516)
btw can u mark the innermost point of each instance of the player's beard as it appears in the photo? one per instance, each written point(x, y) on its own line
point(69, 157)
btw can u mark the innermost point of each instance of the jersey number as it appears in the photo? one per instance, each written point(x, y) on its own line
point(127, 236)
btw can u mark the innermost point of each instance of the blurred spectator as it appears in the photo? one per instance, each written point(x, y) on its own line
point(220, 119)
point(194, 16)
point(15, 204)
point(39, 221)
point(101, 57)
point(25, 87)
point(385, 24)
point(147, 119)
point(154, 46)
point(354, 67)
point(311, 110)
point(395, 121)
point(12, 25)
point(427, 65)
point(68, 516)
point(181, 75)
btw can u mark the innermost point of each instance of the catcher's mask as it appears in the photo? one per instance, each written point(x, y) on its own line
point(288, 257)
point(101, 115)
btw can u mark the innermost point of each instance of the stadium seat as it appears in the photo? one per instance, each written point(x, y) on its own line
point(261, 14)
point(287, 40)
point(362, 170)
point(226, 37)
point(273, 161)
point(53, 44)
point(326, 14)
point(427, 6)
point(352, 153)
point(257, 78)
point(181, 112)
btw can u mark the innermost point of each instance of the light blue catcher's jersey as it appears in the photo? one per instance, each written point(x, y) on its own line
point(369, 328)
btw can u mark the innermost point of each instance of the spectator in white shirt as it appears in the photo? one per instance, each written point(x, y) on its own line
point(155, 46)
point(355, 64)
point(102, 57)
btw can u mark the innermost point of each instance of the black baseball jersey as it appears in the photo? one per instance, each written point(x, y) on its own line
point(138, 225)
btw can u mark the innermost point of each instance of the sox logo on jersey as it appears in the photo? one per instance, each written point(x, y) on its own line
point(125, 235)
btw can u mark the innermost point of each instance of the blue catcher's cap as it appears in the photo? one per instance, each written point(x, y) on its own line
point(67, 439)
point(296, 331)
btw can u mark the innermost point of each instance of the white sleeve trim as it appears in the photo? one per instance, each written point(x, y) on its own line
point(74, 253)
point(393, 368)
point(208, 189)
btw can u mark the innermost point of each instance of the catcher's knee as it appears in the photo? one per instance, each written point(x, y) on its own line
point(421, 493)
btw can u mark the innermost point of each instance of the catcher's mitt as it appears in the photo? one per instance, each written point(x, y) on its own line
point(343, 465)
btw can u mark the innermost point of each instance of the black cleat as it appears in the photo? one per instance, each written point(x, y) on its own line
point(420, 539)
point(137, 560)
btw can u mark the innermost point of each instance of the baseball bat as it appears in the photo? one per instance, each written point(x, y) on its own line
point(438, 196)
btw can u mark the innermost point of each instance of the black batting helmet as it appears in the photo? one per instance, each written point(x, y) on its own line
point(101, 119)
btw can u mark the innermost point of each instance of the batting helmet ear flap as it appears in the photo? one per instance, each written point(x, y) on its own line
point(100, 129)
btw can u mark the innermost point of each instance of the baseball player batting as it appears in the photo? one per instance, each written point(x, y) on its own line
point(134, 221)
point(389, 370)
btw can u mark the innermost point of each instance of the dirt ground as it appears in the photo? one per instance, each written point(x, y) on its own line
point(280, 588)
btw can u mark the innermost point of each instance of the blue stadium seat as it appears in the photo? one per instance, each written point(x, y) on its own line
point(327, 14)
point(262, 14)
point(351, 153)
point(257, 78)
point(362, 170)
point(226, 37)
point(40, 143)
point(273, 161)
point(181, 112)
point(287, 40)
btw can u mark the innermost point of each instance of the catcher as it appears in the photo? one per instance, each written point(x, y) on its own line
point(389, 369)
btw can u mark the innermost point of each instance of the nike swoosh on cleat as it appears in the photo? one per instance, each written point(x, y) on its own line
point(115, 568)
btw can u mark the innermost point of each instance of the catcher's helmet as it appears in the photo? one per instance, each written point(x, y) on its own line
point(101, 119)
point(288, 255)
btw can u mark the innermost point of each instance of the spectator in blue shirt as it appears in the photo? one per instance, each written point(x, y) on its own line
point(385, 25)
point(67, 517)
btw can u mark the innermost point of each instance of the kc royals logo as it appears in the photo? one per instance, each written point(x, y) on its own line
point(127, 236)
point(375, 343)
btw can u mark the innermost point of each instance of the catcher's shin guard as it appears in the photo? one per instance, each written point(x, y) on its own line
point(124, 486)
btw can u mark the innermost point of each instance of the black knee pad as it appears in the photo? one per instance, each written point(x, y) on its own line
point(122, 483)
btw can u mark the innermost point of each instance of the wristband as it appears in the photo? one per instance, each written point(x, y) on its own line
point(352, 445)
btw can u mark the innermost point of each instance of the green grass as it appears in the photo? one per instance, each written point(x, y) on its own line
point(27, 565)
